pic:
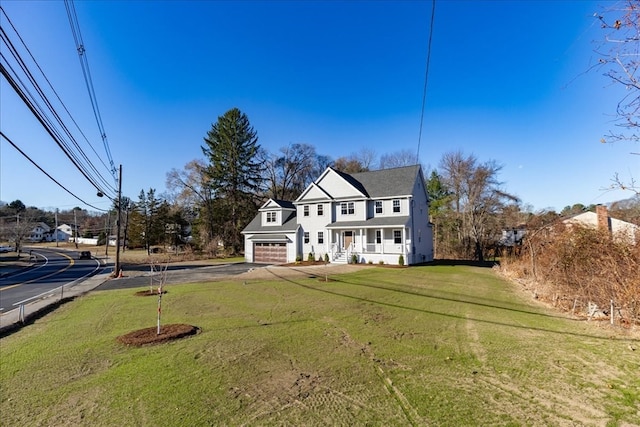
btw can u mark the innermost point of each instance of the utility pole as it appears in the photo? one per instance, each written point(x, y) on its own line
point(118, 221)
point(75, 228)
point(107, 229)
point(56, 230)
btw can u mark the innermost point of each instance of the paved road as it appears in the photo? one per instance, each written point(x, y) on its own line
point(53, 269)
point(182, 273)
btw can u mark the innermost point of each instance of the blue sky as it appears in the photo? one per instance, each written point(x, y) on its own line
point(507, 82)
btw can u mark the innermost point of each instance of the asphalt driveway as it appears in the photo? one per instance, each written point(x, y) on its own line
point(179, 273)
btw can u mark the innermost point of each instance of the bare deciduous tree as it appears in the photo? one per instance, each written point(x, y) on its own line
point(289, 172)
point(397, 159)
point(619, 60)
point(477, 199)
point(192, 189)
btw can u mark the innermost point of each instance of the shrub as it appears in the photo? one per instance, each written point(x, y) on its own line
point(298, 258)
point(311, 257)
point(370, 262)
point(354, 259)
point(576, 266)
point(400, 260)
point(381, 262)
point(326, 257)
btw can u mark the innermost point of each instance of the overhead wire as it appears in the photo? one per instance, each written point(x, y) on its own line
point(45, 172)
point(59, 138)
point(44, 121)
point(426, 77)
point(77, 155)
point(84, 63)
point(53, 90)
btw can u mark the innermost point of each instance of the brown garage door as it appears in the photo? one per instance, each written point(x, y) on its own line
point(270, 252)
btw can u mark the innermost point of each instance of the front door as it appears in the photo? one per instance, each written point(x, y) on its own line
point(348, 239)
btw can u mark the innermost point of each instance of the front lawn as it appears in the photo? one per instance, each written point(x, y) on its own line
point(431, 345)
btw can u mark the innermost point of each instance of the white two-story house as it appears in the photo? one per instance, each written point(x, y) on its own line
point(374, 216)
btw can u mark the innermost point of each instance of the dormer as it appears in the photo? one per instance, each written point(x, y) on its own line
point(275, 212)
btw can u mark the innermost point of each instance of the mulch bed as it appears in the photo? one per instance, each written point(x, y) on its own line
point(149, 336)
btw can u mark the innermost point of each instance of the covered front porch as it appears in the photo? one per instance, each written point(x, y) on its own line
point(369, 243)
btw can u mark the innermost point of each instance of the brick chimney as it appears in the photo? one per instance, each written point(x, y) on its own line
point(604, 223)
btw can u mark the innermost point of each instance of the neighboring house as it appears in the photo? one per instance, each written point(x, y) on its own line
point(512, 237)
point(58, 235)
point(601, 219)
point(66, 229)
point(373, 216)
point(39, 232)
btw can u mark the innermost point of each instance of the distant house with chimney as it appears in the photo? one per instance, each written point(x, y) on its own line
point(600, 218)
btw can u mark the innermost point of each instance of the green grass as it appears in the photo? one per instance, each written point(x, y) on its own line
point(432, 345)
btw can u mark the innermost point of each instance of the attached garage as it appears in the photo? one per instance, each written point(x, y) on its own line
point(273, 236)
point(270, 252)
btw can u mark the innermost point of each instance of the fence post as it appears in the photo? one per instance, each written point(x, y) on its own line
point(612, 309)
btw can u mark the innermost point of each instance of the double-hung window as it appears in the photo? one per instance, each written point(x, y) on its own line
point(397, 236)
point(271, 217)
point(347, 208)
point(396, 206)
point(378, 236)
point(305, 209)
point(306, 237)
point(378, 206)
point(320, 237)
point(320, 210)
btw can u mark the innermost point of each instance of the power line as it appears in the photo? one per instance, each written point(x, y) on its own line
point(426, 78)
point(44, 121)
point(52, 88)
point(81, 160)
point(84, 63)
point(44, 172)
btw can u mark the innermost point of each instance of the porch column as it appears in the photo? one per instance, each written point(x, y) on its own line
point(363, 244)
point(382, 241)
point(405, 254)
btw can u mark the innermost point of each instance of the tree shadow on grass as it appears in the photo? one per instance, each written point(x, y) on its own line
point(449, 315)
point(455, 262)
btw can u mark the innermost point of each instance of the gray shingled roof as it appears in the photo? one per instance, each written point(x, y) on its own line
point(387, 182)
point(388, 221)
point(284, 203)
point(288, 225)
point(269, 238)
